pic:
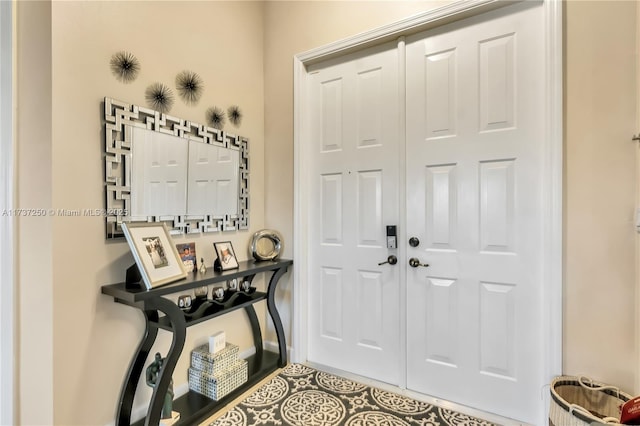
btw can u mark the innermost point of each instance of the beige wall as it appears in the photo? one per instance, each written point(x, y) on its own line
point(75, 343)
point(35, 240)
point(63, 76)
point(600, 118)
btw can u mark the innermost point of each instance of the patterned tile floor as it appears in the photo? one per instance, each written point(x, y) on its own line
point(302, 396)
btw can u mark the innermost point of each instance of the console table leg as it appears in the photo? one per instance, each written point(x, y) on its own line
point(275, 317)
point(128, 391)
point(257, 333)
point(179, 327)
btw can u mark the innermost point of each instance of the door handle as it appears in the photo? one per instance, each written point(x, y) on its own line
point(391, 260)
point(414, 262)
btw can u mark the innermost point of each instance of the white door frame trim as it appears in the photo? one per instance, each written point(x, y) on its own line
point(7, 223)
point(553, 184)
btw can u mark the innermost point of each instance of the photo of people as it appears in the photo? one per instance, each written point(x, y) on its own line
point(187, 253)
point(156, 252)
point(226, 255)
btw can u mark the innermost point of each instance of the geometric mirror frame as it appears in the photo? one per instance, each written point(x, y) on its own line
point(120, 118)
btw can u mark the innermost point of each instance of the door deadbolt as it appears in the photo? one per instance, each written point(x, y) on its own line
point(415, 262)
point(414, 242)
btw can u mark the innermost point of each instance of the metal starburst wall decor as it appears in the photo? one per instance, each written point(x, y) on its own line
point(159, 96)
point(235, 115)
point(190, 86)
point(124, 66)
point(215, 117)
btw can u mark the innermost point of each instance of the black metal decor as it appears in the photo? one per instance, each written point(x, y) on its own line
point(190, 87)
point(235, 115)
point(160, 97)
point(216, 117)
point(124, 66)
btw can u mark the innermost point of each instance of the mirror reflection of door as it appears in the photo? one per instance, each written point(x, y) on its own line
point(213, 180)
point(159, 174)
point(172, 176)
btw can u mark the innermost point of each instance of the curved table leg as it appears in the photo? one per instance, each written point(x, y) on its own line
point(257, 333)
point(275, 317)
point(128, 390)
point(179, 326)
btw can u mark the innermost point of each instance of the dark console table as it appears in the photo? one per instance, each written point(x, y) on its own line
point(162, 313)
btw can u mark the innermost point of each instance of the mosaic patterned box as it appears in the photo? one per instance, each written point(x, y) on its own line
point(205, 361)
point(216, 386)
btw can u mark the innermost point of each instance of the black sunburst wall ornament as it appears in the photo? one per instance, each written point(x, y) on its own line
point(235, 115)
point(159, 97)
point(190, 86)
point(124, 66)
point(215, 117)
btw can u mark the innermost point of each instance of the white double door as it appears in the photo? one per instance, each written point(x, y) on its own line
point(442, 138)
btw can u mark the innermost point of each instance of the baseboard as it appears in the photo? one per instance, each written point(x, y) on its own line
point(247, 352)
point(274, 347)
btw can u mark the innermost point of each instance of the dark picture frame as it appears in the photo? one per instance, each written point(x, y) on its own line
point(226, 256)
point(187, 252)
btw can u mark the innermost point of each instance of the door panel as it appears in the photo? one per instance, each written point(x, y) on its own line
point(474, 132)
point(474, 114)
point(354, 302)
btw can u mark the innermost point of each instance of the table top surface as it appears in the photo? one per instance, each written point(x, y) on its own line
point(193, 280)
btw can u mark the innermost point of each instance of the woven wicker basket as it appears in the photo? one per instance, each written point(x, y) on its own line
point(579, 401)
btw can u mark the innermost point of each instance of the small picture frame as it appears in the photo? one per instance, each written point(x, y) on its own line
point(187, 252)
point(154, 252)
point(226, 256)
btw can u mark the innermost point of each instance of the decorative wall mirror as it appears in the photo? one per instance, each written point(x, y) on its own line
point(160, 168)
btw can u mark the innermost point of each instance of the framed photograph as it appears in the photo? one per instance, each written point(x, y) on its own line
point(155, 253)
point(226, 255)
point(187, 252)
